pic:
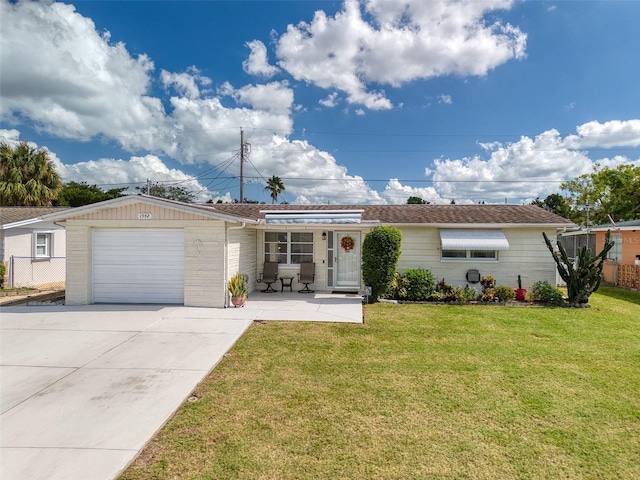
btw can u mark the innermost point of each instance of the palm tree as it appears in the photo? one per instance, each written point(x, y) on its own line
point(275, 187)
point(27, 177)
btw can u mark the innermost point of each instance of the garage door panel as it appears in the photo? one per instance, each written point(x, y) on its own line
point(138, 266)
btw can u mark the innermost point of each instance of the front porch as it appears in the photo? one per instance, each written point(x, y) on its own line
point(310, 307)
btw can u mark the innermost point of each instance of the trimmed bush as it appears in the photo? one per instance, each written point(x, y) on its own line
point(544, 292)
point(419, 284)
point(505, 293)
point(380, 254)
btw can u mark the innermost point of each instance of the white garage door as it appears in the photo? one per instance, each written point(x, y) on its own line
point(139, 265)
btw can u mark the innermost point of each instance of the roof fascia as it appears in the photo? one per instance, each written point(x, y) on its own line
point(130, 199)
point(480, 225)
point(21, 223)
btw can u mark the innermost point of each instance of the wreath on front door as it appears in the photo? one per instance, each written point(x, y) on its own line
point(347, 243)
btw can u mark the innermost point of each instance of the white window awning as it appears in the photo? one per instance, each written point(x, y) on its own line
point(473, 239)
point(313, 217)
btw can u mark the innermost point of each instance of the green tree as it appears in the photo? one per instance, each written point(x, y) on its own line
point(170, 192)
point(76, 194)
point(416, 201)
point(275, 187)
point(614, 192)
point(27, 177)
point(380, 254)
point(554, 203)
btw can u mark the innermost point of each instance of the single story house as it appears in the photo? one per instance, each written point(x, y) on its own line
point(142, 249)
point(31, 249)
point(622, 266)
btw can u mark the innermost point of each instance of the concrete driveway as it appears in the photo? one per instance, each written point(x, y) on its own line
point(84, 388)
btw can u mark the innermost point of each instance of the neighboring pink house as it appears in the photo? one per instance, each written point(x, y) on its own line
point(32, 250)
point(622, 266)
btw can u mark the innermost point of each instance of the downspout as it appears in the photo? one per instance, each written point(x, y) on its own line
point(226, 260)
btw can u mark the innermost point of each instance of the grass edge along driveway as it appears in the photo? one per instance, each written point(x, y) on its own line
point(419, 391)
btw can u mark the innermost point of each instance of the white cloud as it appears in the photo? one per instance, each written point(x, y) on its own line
point(331, 100)
point(396, 193)
point(273, 98)
point(113, 173)
point(532, 167)
point(186, 83)
point(257, 63)
point(70, 80)
point(446, 99)
point(392, 43)
point(616, 133)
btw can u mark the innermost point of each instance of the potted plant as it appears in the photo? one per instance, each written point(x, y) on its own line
point(238, 288)
point(520, 292)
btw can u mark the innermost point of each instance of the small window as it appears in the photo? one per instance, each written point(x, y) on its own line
point(615, 254)
point(42, 245)
point(454, 254)
point(469, 254)
point(490, 254)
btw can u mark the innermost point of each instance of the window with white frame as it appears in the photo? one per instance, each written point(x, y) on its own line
point(289, 248)
point(42, 244)
point(469, 254)
point(615, 254)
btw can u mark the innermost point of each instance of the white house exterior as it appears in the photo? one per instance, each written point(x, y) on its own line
point(141, 249)
point(32, 250)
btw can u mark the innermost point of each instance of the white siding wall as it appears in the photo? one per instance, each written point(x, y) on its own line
point(241, 253)
point(79, 281)
point(527, 256)
point(204, 284)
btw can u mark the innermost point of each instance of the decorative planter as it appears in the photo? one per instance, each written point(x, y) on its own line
point(520, 294)
point(238, 301)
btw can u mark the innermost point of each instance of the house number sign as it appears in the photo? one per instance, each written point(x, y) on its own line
point(145, 216)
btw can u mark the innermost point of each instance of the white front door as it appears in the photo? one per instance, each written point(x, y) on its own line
point(347, 254)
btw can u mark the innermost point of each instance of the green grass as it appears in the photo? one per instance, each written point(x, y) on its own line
point(419, 391)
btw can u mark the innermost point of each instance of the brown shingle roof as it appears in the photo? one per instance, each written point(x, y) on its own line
point(418, 214)
point(18, 214)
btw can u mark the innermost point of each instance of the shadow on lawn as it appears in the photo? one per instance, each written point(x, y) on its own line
point(620, 294)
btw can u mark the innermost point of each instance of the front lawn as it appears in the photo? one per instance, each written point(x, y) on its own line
point(419, 391)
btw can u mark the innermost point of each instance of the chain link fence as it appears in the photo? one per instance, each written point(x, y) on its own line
point(34, 272)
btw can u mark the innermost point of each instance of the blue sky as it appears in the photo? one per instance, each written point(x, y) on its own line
point(348, 102)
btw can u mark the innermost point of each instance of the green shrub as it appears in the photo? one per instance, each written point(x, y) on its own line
point(544, 292)
point(488, 289)
point(465, 294)
point(505, 293)
point(419, 284)
point(443, 292)
point(380, 253)
point(3, 270)
point(397, 289)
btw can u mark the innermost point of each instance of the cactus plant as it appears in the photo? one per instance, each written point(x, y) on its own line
point(584, 277)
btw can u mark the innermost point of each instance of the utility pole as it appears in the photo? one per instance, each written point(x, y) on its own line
point(245, 148)
point(241, 166)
